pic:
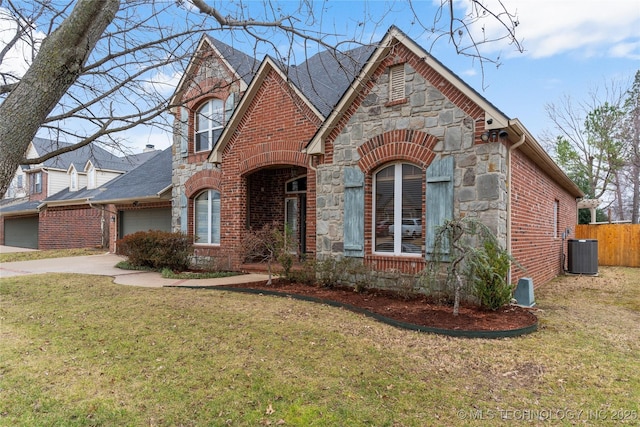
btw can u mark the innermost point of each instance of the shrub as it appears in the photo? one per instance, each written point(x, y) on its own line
point(157, 249)
point(490, 276)
point(305, 273)
point(333, 272)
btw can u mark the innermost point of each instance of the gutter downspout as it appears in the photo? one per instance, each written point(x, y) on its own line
point(509, 190)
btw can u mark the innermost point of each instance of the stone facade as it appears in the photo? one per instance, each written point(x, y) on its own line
point(480, 168)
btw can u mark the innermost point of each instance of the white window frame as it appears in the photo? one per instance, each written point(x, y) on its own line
point(397, 211)
point(91, 177)
point(73, 185)
point(37, 188)
point(209, 118)
point(212, 237)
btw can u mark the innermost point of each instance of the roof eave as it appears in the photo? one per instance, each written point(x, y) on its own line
point(267, 64)
point(535, 152)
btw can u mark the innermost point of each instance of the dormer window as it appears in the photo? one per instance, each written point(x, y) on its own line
point(396, 83)
point(91, 177)
point(74, 180)
point(209, 122)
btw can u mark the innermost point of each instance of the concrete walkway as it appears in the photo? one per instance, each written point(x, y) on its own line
point(104, 265)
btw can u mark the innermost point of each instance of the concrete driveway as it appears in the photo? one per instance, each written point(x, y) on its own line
point(104, 265)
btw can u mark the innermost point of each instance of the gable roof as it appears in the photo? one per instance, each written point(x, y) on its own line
point(325, 76)
point(494, 118)
point(149, 180)
point(101, 158)
point(267, 66)
point(242, 65)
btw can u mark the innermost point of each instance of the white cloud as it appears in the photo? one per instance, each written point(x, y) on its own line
point(470, 72)
point(582, 27)
point(163, 83)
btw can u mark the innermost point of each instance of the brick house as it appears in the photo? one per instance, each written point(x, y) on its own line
point(62, 202)
point(362, 154)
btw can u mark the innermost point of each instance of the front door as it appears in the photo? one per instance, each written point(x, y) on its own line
point(295, 211)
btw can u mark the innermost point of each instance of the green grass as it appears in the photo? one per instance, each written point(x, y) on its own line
point(169, 274)
point(53, 253)
point(79, 350)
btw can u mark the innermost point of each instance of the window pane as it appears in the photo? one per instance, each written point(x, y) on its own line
point(202, 141)
point(398, 210)
point(202, 213)
point(215, 217)
point(217, 113)
point(411, 209)
point(384, 209)
point(207, 217)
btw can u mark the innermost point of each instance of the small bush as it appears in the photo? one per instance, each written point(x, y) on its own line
point(305, 273)
point(490, 276)
point(157, 249)
point(333, 272)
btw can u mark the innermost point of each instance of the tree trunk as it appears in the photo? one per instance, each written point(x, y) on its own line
point(619, 196)
point(635, 204)
point(56, 67)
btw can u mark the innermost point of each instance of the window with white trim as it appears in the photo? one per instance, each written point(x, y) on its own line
point(91, 177)
point(37, 182)
point(396, 83)
point(209, 123)
point(398, 210)
point(207, 218)
point(74, 180)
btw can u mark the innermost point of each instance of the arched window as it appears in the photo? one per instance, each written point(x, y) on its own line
point(74, 180)
point(398, 210)
point(91, 177)
point(209, 122)
point(207, 218)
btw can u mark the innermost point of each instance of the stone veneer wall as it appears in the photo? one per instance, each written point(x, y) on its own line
point(480, 168)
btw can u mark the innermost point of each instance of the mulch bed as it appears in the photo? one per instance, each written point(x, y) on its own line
point(417, 309)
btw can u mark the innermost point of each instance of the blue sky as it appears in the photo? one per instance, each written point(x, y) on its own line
point(571, 47)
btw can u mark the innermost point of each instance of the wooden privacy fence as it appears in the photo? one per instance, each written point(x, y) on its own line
point(618, 244)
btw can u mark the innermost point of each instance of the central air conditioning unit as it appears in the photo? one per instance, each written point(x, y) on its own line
point(582, 256)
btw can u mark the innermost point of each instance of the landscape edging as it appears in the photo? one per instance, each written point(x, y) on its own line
point(509, 333)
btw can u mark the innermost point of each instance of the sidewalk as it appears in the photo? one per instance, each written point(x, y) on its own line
point(104, 265)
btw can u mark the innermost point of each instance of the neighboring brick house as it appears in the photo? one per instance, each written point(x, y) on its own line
point(363, 155)
point(58, 209)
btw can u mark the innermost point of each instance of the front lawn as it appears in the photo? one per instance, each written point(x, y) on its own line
point(80, 350)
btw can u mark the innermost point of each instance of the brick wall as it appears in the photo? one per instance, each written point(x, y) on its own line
point(273, 132)
point(270, 135)
point(532, 225)
point(72, 227)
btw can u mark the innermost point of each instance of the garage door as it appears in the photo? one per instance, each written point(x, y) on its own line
point(145, 220)
point(21, 232)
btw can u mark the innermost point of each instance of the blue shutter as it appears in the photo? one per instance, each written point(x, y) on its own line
point(184, 131)
point(439, 206)
point(353, 212)
point(184, 220)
